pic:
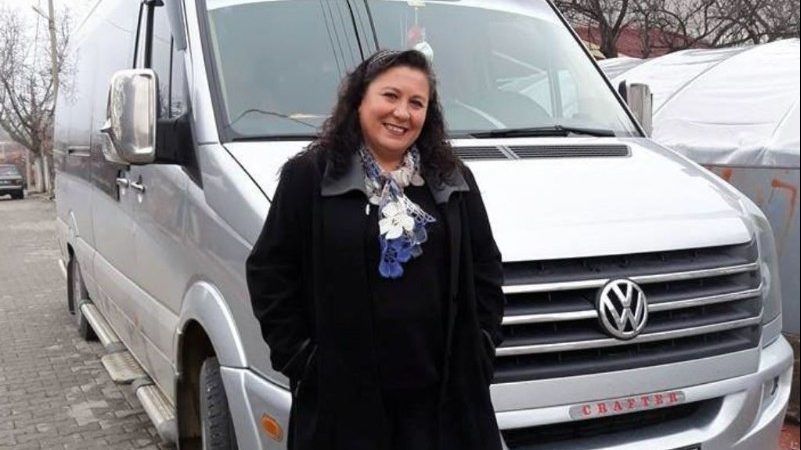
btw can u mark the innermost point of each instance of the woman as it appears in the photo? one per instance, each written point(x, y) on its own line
point(376, 279)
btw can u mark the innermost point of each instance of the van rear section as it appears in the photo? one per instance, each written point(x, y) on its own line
point(642, 298)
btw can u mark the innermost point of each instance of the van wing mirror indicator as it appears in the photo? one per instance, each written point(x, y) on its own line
point(131, 117)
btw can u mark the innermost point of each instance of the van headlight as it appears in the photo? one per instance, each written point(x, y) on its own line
point(769, 267)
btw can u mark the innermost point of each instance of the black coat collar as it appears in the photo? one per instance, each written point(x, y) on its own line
point(353, 180)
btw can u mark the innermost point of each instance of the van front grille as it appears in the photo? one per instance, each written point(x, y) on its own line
point(701, 303)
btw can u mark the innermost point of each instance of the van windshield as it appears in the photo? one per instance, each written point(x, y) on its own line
point(509, 66)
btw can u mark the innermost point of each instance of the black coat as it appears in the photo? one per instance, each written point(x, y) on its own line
point(309, 291)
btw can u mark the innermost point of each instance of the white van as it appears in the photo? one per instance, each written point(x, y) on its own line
point(168, 151)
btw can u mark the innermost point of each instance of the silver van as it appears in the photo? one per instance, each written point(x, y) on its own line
point(643, 305)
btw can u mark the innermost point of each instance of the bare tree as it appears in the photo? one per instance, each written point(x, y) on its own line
point(648, 18)
point(668, 25)
point(759, 21)
point(682, 24)
point(27, 100)
point(607, 17)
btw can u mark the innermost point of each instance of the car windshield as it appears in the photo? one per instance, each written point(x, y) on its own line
point(8, 171)
point(512, 67)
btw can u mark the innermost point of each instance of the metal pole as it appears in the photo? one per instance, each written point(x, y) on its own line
point(51, 24)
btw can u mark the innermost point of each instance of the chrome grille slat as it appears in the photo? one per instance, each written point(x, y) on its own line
point(550, 317)
point(643, 338)
point(702, 302)
point(641, 279)
point(655, 307)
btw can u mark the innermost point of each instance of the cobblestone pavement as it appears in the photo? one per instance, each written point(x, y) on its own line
point(789, 439)
point(54, 392)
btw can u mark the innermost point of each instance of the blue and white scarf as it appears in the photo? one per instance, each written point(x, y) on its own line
point(402, 223)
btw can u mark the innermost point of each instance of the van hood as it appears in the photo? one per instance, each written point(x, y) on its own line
point(549, 208)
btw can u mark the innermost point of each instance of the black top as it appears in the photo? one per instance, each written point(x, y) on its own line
point(409, 325)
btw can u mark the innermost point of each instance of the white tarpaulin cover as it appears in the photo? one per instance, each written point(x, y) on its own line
point(615, 66)
point(737, 106)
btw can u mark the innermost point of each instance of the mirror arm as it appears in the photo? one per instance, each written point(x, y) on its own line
point(173, 140)
point(623, 90)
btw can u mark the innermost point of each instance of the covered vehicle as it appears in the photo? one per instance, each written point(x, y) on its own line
point(736, 111)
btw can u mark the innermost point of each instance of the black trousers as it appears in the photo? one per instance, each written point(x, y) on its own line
point(412, 416)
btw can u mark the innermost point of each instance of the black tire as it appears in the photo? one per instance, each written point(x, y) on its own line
point(215, 416)
point(76, 291)
point(18, 195)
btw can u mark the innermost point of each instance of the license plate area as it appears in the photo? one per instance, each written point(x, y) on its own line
point(626, 405)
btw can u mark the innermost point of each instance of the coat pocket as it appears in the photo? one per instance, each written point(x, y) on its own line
point(303, 416)
point(307, 370)
point(488, 356)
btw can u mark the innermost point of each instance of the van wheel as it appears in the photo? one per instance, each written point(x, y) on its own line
point(76, 292)
point(217, 428)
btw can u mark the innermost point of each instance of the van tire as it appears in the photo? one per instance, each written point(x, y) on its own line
point(217, 427)
point(76, 290)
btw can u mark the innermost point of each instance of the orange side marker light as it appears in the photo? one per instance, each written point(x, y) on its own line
point(272, 428)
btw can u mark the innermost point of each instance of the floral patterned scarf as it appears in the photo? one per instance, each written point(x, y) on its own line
point(402, 224)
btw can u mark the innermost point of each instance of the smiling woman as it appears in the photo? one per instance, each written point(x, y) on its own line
point(392, 113)
point(376, 275)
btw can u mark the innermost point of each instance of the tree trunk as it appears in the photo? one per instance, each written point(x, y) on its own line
point(48, 185)
point(28, 173)
point(38, 173)
point(608, 44)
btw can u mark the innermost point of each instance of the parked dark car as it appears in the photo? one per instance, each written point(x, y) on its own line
point(11, 181)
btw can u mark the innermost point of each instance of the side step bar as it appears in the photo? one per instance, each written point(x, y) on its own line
point(123, 368)
point(160, 411)
point(102, 329)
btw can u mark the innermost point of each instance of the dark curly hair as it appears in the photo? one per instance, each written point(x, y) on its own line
point(341, 133)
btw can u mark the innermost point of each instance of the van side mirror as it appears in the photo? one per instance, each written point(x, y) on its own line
point(640, 100)
point(131, 117)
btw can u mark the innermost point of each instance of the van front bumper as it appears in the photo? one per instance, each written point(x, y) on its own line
point(748, 412)
point(742, 413)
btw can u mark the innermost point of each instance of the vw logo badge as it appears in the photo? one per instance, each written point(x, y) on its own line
point(622, 309)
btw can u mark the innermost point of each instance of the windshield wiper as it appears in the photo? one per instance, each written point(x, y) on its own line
point(270, 113)
point(553, 130)
point(276, 137)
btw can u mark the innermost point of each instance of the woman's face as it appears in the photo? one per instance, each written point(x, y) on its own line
point(393, 111)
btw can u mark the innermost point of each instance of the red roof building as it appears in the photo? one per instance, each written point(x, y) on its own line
point(630, 41)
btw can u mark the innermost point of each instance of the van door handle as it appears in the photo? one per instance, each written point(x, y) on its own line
point(81, 151)
point(123, 182)
point(138, 186)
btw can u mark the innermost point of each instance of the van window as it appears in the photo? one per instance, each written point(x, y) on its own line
point(500, 64)
point(276, 64)
point(168, 63)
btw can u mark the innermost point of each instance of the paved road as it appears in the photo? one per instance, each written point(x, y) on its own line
point(54, 392)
